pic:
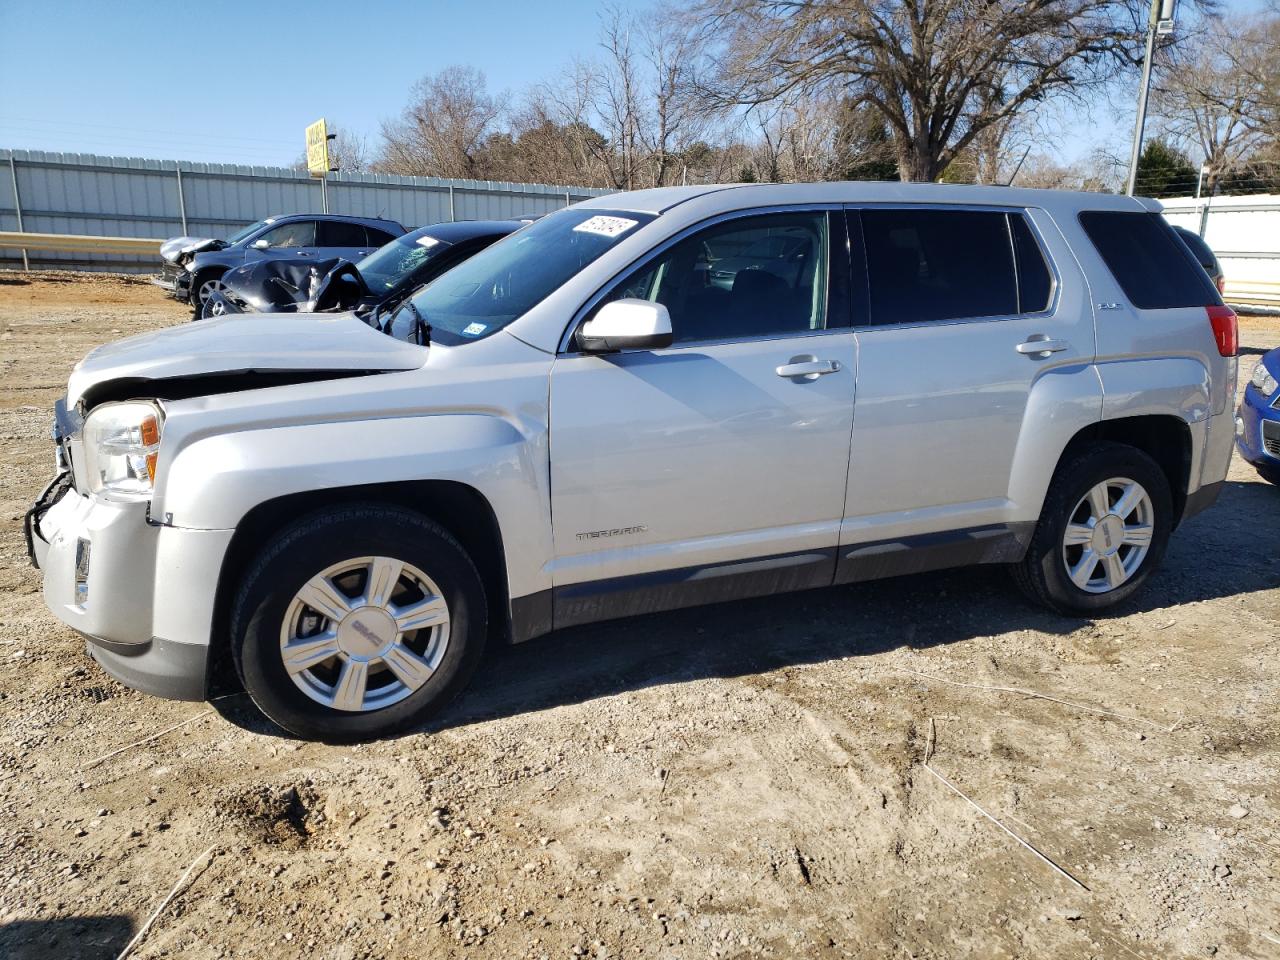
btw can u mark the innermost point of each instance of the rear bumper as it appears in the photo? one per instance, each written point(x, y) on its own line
point(141, 593)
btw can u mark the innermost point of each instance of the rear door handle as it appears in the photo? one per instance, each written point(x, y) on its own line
point(1041, 346)
point(807, 368)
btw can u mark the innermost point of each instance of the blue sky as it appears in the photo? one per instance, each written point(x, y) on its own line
point(237, 81)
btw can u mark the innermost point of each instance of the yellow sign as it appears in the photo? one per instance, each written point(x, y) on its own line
point(318, 149)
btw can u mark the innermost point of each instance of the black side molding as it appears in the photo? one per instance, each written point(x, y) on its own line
point(597, 600)
point(996, 543)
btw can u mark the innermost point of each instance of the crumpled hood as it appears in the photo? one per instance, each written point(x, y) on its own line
point(244, 343)
point(172, 249)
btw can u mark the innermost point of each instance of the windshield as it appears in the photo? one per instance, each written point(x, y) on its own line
point(386, 267)
point(241, 234)
point(504, 281)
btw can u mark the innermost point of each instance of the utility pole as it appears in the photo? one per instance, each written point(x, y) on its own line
point(1160, 23)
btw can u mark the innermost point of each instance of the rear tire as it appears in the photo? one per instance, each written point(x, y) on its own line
point(1102, 532)
point(357, 622)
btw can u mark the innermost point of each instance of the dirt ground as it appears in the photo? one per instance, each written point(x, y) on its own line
point(736, 781)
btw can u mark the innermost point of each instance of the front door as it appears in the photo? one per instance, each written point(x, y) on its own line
point(965, 315)
point(715, 468)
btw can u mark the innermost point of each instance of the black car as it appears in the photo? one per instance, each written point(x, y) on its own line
point(194, 266)
point(1204, 256)
point(376, 284)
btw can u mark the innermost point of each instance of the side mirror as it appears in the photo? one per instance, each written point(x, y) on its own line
point(626, 325)
point(262, 243)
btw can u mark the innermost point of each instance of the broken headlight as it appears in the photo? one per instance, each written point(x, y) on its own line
point(121, 444)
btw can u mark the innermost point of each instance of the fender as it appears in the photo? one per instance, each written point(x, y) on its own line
point(1179, 386)
point(1168, 386)
point(213, 482)
point(1062, 402)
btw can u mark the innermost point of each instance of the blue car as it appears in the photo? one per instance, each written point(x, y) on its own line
point(193, 267)
point(1258, 419)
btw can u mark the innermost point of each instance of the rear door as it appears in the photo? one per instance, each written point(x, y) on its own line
point(714, 468)
point(341, 238)
point(967, 308)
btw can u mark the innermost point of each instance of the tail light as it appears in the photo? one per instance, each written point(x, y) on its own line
point(1226, 329)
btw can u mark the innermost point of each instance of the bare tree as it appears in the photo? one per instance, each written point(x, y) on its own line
point(640, 95)
point(443, 129)
point(1217, 94)
point(677, 116)
point(545, 150)
point(940, 72)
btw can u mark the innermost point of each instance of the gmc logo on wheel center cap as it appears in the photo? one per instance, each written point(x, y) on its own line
point(365, 632)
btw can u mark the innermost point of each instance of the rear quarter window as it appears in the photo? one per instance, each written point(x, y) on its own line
point(378, 238)
point(1154, 268)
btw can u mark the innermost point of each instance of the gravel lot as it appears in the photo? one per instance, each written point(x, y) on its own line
point(738, 781)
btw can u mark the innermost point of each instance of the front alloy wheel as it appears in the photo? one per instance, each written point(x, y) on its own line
point(358, 621)
point(364, 633)
point(207, 289)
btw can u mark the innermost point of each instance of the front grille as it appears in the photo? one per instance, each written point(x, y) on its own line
point(1271, 437)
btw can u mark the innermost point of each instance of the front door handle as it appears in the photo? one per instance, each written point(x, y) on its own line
point(807, 367)
point(1040, 346)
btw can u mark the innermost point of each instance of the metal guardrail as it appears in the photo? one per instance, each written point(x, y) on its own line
point(75, 243)
point(1252, 293)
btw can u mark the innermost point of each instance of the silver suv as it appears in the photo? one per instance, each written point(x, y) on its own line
point(644, 401)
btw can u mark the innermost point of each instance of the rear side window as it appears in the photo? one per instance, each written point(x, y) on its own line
point(928, 265)
point(1153, 267)
point(339, 233)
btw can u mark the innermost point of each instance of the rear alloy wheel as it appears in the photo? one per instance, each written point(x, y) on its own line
point(358, 621)
point(1109, 535)
point(1102, 532)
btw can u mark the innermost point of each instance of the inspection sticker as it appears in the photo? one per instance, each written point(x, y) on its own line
point(427, 241)
point(606, 226)
point(474, 329)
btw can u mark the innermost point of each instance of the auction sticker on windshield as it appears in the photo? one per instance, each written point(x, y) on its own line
point(427, 241)
point(606, 226)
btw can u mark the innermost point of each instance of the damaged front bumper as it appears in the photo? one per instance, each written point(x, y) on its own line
point(141, 593)
point(175, 281)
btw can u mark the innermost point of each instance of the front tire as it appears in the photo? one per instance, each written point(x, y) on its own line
point(357, 622)
point(1102, 532)
point(203, 286)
